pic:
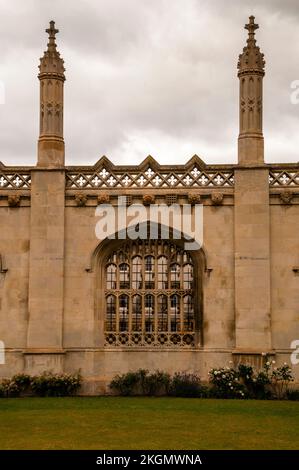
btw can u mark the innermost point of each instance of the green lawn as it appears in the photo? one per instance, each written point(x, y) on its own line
point(147, 423)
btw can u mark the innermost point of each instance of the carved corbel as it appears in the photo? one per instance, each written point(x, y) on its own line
point(286, 197)
point(103, 198)
point(14, 200)
point(217, 198)
point(148, 199)
point(81, 200)
point(193, 199)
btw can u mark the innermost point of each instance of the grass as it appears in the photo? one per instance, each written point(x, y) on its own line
point(147, 423)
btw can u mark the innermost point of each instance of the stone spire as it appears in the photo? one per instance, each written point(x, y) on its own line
point(51, 76)
point(251, 70)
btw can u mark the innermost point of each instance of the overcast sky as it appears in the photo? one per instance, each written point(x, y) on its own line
point(146, 77)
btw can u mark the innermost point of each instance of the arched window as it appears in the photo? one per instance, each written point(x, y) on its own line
point(149, 295)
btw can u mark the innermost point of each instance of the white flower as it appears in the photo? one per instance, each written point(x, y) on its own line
point(273, 362)
point(229, 383)
point(267, 363)
point(223, 376)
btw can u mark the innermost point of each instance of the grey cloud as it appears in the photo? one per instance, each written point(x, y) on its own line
point(147, 76)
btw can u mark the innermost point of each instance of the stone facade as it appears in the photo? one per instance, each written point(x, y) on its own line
point(52, 279)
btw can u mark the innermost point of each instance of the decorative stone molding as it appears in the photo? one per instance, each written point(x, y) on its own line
point(286, 197)
point(12, 180)
point(217, 198)
point(284, 177)
point(148, 199)
point(103, 199)
point(194, 199)
point(81, 200)
point(149, 174)
point(154, 340)
point(14, 200)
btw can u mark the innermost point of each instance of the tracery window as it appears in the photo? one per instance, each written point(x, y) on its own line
point(149, 295)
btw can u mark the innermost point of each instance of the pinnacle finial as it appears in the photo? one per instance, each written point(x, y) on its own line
point(251, 27)
point(251, 59)
point(51, 60)
point(52, 31)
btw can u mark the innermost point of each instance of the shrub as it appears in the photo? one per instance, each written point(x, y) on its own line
point(280, 379)
point(127, 384)
point(255, 383)
point(246, 382)
point(293, 394)
point(141, 382)
point(9, 388)
point(56, 385)
point(187, 385)
point(47, 384)
point(157, 383)
point(23, 382)
point(226, 384)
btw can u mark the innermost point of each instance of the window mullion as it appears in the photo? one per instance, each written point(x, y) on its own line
point(181, 313)
point(130, 308)
point(169, 313)
point(143, 313)
point(117, 314)
point(155, 313)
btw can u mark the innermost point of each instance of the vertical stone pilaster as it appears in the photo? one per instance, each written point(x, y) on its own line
point(252, 260)
point(46, 269)
point(252, 212)
point(47, 219)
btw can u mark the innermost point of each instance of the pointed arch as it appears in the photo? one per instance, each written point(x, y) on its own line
point(156, 300)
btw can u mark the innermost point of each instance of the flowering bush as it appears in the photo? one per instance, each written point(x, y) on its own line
point(8, 388)
point(226, 383)
point(280, 379)
point(47, 384)
point(245, 382)
point(56, 385)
